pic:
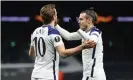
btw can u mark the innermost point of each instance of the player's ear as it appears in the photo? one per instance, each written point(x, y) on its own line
point(54, 17)
point(89, 20)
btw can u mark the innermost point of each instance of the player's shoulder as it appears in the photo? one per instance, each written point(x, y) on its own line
point(38, 28)
point(52, 30)
point(95, 29)
point(35, 30)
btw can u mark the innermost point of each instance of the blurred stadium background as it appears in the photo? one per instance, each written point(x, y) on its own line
point(20, 18)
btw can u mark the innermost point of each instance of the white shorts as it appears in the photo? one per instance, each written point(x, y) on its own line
point(98, 75)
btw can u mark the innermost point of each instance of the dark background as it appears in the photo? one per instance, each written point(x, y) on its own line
point(118, 57)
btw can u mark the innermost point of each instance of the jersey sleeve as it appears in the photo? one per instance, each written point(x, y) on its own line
point(57, 40)
point(67, 35)
point(92, 36)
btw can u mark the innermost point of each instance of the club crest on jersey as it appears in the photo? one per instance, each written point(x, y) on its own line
point(57, 39)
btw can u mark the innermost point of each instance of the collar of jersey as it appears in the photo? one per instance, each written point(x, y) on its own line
point(92, 28)
point(47, 26)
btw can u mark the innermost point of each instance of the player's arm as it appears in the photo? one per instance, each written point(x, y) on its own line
point(94, 35)
point(59, 45)
point(68, 52)
point(31, 51)
point(67, 35)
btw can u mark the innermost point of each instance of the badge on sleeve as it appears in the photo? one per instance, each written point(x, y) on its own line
point(57, 39)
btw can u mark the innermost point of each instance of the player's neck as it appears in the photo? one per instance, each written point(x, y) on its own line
point(89, 27)
point(51, 24)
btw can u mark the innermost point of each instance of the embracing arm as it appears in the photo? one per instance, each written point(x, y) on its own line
point(67, 35)
point(68, 52)
point(59, 45)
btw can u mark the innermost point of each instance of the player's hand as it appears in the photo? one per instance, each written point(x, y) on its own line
point(89, 44)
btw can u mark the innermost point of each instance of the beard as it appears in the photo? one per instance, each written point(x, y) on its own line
point(82, 27)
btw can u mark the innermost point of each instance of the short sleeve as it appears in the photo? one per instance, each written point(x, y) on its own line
point(57, 40)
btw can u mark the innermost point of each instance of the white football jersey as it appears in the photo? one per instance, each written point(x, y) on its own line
point(93, 57)
point(45, 39)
